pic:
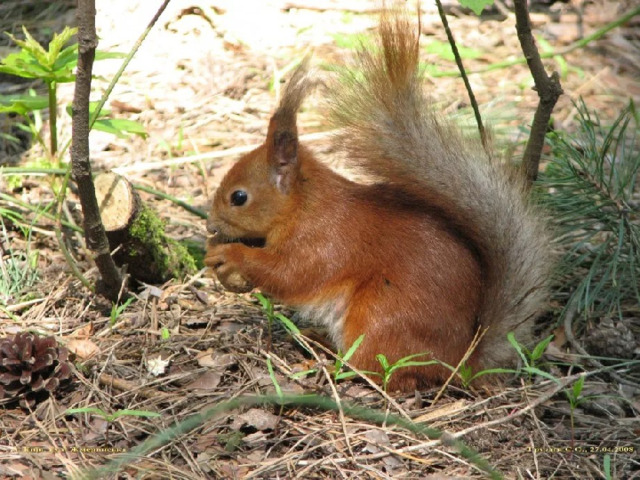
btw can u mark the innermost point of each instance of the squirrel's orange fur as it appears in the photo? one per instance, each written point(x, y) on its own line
point(443, 244)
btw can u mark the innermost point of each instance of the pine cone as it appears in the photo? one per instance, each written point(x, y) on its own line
point(611, 339)
point(31, 368)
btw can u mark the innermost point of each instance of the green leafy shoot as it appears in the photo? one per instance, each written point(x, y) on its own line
point(119, 127)
point(267, 309)
point(574, 394)
point(514, 343)
point(110, 417)
point(32, 61)
point(530, 358)
point(404, 362)
point(265, 303)
point(476, 5)
point(53, 66)
point(539, 349)
point(531, 371)
point(465, 372)
point(338, 374)
point(288, 324)
point(116, 310)
point(466, 375)
point(165, 333)
point(274, 379)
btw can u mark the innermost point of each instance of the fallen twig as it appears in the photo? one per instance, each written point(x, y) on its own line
point(126, 386)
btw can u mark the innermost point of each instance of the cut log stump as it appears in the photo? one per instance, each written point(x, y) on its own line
point(136, 233)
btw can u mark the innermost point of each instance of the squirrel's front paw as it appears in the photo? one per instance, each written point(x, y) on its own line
point(233, 280)
point(221, 259)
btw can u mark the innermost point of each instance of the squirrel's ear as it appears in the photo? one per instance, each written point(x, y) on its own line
point(282, 151)
point(282, 139)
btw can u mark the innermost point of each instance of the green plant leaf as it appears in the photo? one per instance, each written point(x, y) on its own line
point(465, 373)
point(304, 373)
point(476, 5)
point(540, 373)
point(104, 113)
point(111, 417)
point(412, 356)
point(120, 127)
point(22, 64)
point(95, 410)
point(274, 380)
point(443, 50)
point(57, 42)
point(491, 371)
point(134, 413)
point(383, 361)
point(540, 348)
point(338, 373)
point(102, 55)
point(577, 388)
point(12, 139)
point(22, 104)
point(414, 363)
point(288, 324)
point(67, 59)
point(353, 348)
point(32, 61)
point(264, 303)
point(31, 46)
point(514, 343)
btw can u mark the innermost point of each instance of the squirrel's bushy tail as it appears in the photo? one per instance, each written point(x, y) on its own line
point(392, 132)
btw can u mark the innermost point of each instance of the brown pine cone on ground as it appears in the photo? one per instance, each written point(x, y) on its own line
point(31, 368)
point(613, 339)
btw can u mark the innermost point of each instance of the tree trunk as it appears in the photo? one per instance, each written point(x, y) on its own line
point(136, 234)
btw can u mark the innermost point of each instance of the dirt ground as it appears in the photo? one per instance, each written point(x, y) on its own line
point(203, 84)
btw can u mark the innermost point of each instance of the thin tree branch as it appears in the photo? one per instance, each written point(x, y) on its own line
point(80, 162)
point(126, 62)
point(548, 88)
point(463, 73)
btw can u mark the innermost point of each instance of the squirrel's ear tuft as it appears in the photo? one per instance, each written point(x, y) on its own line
point(282, 138)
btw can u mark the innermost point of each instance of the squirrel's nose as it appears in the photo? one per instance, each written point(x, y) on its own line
point(211, 227)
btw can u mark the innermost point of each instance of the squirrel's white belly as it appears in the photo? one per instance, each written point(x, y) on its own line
point(329, 314)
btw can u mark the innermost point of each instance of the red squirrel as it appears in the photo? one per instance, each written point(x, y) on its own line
point(442, 244)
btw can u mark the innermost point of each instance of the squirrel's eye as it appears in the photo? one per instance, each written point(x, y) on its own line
point(238, 198)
